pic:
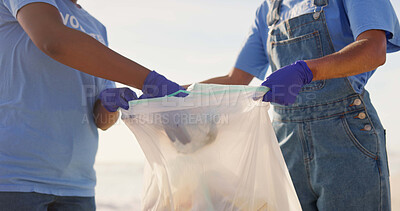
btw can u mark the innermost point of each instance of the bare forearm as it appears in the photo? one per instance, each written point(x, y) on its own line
point(235, 77)
point(363, 55)
point(224, 80)
point(84, 53)
point(103, 118)
point(44, 25)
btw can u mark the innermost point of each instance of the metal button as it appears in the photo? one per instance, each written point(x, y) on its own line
point(316, 15)
point(367, 128)
point(357, 102)
point(362, 115)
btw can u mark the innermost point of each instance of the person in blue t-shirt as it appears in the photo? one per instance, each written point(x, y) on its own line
point(54, 64)
point(322, 53)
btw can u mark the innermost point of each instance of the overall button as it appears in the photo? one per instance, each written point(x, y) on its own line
point(367, 128)
point(357, 102)
point(316, 15)
point(362, 115)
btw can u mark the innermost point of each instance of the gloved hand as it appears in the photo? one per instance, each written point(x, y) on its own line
point(156, 85)
point(114, 98)
point(286, 83)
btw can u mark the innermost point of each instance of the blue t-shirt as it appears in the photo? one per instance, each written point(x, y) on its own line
point(346, 19)
point(48, 138)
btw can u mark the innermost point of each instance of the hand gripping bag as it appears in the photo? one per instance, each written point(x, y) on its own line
point(212, 150)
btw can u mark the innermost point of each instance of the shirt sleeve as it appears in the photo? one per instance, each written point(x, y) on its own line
point(252, 58)
point(374, 14)
point(15, 5)
point(105, 36)
point(109, 84)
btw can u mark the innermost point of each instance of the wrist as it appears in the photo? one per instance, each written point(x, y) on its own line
point(148, 80)
point(313, 66)
point(151, 85)
point(308, 74)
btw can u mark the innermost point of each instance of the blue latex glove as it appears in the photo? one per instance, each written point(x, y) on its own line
point(286, 83)
point(156, 85)
point(114, 98)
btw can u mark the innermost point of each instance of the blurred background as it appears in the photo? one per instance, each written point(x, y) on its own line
point(189, 41)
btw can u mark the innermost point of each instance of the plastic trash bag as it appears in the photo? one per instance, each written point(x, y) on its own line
point(212, 150)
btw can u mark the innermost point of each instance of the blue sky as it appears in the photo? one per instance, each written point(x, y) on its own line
point(189, 41)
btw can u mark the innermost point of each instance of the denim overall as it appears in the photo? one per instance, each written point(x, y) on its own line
point(331, 138)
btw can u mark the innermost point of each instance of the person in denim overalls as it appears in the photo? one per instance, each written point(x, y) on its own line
point(321, 54)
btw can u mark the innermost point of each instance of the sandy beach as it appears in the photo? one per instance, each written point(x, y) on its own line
point(395, 186)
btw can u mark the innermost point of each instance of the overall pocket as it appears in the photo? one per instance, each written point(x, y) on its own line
point(361, 132)
point(305, 47)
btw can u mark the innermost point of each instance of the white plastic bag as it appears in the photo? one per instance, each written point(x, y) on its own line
point(212, 150)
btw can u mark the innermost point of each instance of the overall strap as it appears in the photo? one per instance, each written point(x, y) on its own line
point(321, 3)
point(275, 9)
point(274, 12)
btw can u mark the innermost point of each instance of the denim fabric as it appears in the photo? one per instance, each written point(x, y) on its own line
point(15, 201)
point(331, 138)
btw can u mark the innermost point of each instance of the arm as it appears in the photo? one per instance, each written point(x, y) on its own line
point(103, 118)
point(44, 25)
point(367, 53)
point(235, 77)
